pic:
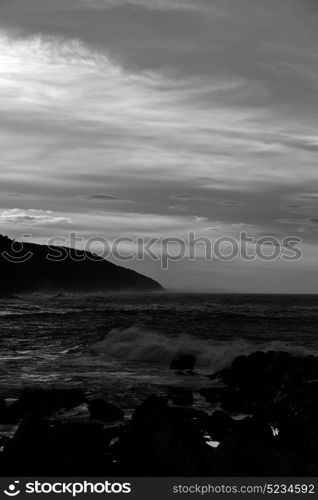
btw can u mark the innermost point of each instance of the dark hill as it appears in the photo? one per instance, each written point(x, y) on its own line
point(27, 267)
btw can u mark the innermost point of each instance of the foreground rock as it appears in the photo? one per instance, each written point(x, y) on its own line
point(45, 443)
point(183, 362)
point(101, 410)
point(164, 441)
point(41, 402)
point(278, 389)
point(181, 396)
point(261, 374)
point(44, 447)
point(182, 442)
point(278, 437)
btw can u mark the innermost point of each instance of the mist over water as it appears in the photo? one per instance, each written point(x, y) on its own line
point(121, 346)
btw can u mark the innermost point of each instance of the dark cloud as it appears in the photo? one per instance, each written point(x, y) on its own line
point(184, 197)
point(233, 203)
point(103, 197)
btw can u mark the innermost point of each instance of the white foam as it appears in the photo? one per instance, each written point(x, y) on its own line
point(136, 344)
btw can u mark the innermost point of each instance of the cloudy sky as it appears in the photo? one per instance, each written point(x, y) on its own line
point(160, 117)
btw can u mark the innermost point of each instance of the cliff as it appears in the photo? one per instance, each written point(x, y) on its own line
point(28, 267)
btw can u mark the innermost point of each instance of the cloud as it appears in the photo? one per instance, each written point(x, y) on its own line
point(307, 196)
point(148, 4)
point(143, 124)
point(31, 217)
point(178, 207)
point(233, 203)
point(183, 197)
point(152, 103)
point(103, 197)
point(118, 223)
point(210, 200)
point(300, 221)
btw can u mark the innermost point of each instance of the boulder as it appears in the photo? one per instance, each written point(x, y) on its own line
point(220, 425)
point(164, 441)
point(181, 396)
point(183, 362)
point(212, 395)
point(310, 368)
point(46, 447)
point(255, 459)
point(3, 412)
point(259, 375)
point(101, 410)
point(45, 402)
point(229, 398)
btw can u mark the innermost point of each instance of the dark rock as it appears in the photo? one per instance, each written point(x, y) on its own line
point(196, 417)
point(259, 375)
point(25, 449)
point(44, 447)
point(42, 402)
point(296, 410)
point(220, 425)
point(8, 413)
point(183, 362)
point(255, 459)
point(4, 441)
point(231, 399)
point(170, 441)
point(256, 430)
point(213, 395)
point(281, 391)
point(164, 441)
point(310, 368)
point(181, 396)
point(101, 410)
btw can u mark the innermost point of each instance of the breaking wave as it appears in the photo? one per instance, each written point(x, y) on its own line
point(136, 344)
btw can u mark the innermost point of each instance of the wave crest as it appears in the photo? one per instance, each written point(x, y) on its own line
point(136, 344)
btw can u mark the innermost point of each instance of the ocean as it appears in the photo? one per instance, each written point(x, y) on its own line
point(120, 346)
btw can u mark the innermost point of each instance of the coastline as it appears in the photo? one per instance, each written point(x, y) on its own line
point(262, 423)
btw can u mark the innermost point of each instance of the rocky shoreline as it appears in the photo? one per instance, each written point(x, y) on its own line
point(263, 422)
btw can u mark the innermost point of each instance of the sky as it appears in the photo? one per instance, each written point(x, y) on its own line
point(156, 118)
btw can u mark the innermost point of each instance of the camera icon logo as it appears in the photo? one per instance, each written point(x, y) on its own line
point(12, 490)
